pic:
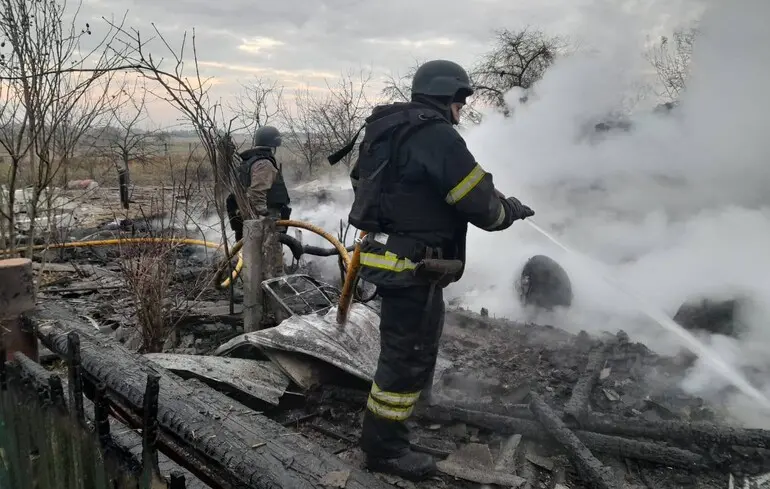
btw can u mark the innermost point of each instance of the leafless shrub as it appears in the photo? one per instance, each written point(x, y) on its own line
point(157, 272)
point(397, 87)
point(148, 274)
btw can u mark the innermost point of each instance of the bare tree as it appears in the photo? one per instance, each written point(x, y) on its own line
point(302, 135)
point(320, 124)
point(188, 92)
point(671, 60)
point(129, 139)
point(343, 112)
point(260, 102)
point(517, 59)
point(397, 87)
point(58, 88)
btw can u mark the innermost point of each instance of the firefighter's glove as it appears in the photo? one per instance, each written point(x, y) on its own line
point(517, 210)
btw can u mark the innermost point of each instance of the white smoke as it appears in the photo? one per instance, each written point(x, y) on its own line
point(675, 208)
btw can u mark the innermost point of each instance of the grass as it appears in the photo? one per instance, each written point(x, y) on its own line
point(183, 156)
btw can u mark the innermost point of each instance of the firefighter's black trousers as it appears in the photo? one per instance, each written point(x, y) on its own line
point(236, 221)
point(409, 347)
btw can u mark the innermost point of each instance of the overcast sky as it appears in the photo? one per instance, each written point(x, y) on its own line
point(298, 42)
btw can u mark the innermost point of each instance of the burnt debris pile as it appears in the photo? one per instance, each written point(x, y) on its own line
point(513, 405)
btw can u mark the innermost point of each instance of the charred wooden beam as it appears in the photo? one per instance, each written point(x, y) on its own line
point(246, 450)
point(700, 433)
point(683, 433)
point(589, 467)
point(56, 390)
point(651, 452)
point(580, 402)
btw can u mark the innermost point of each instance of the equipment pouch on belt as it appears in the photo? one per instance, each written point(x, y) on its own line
point(440, 272)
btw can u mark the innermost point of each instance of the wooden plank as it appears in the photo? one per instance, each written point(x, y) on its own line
point(219, 433)
point(259, 379)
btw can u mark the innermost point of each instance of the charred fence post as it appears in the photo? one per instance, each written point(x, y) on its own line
point(17, 296)
point(590, 467)
point(177, 481)
point(150, 431)
point(579, 403)
point(75, 384)
point(253, 270)
point(56, 390)
point(101, 414)
point(3, 368)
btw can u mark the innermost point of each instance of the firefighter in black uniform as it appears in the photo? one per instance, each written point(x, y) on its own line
point(262, 184)
point(416, 189)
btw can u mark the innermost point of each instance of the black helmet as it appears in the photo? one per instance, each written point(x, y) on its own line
point(441, 78)
point(267, 136)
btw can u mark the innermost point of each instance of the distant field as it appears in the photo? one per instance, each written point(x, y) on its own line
point(183, 160)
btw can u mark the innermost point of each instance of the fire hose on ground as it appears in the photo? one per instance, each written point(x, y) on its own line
point(338, 248)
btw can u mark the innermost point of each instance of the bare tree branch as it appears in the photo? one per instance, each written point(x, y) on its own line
point(671, 60)
point(260, 102)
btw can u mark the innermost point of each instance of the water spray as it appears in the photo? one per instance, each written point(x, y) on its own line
point(690, 342)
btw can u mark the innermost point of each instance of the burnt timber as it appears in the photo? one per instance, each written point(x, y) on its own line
point(249, 451)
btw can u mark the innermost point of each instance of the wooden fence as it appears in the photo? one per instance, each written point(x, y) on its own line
point(49, 441)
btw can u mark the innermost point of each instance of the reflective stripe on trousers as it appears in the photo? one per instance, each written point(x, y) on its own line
point(394, 406)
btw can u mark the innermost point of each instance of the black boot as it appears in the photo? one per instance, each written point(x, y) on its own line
point(413, 466)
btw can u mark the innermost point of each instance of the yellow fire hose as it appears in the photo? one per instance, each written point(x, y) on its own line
point(199, 242)
point(350, 281)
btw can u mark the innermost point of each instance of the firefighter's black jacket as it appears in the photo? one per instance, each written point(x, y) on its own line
point(433, 187)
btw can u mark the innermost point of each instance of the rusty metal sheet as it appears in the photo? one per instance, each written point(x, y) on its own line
point(259, 379)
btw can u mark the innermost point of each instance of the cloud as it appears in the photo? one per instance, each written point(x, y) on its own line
point(419, 44)
point(297, 39)
point(257, 45)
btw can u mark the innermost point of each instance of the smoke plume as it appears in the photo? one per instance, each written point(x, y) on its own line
point(677, 207)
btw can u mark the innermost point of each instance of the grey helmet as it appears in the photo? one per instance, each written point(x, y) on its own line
point(441, 78)
point(267, 136)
